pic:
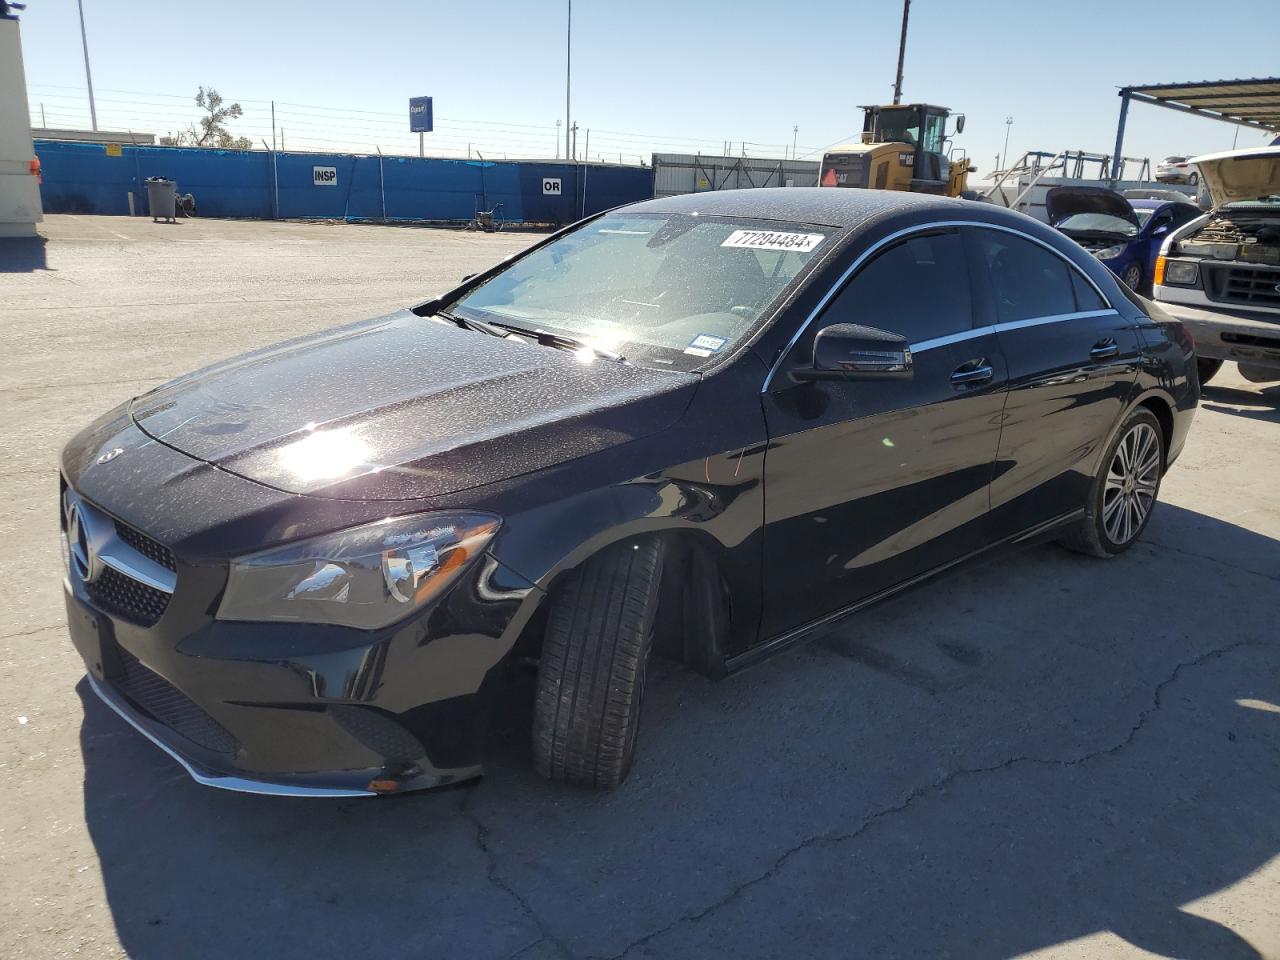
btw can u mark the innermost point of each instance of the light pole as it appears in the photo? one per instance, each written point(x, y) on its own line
point(84, 41)
point(557, 139)
point(1004, 156)
point(795, 133)
point(568, 62)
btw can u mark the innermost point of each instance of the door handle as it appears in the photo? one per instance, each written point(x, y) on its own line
point(1104, 350)
point(972, 373)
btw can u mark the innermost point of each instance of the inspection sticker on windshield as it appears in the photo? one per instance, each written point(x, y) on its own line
point(704, 345)
point(773, 240)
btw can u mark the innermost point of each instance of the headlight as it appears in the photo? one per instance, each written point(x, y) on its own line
point(1186, 272)
point(1110, 252)
point(365, 577)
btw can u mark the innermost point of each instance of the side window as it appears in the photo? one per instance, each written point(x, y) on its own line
point(1185, 213)
point(917, 288)
point(1087, 298)
point(1027, 280)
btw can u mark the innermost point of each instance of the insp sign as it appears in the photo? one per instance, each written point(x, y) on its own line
point(324, 176)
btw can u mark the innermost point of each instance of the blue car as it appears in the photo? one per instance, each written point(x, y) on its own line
point(1124, 234)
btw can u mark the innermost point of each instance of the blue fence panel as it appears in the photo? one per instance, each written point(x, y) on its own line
point(83, 178)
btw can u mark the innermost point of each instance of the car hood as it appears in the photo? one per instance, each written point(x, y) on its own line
point(1240, 174)
point(1063, 202)
point(403, 407)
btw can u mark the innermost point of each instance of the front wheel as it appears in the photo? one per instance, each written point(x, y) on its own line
point(1123, 494)
point(594, 657)
point(1132, 277)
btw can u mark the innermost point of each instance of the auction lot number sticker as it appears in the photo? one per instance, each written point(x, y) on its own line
point(773, 240)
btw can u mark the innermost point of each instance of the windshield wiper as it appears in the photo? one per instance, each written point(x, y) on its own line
point(558, 340)
point(468, 324)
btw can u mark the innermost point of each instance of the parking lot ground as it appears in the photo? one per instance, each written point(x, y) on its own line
point(1039, 754)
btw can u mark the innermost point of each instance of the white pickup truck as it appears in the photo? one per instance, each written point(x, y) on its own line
point(1220, 274)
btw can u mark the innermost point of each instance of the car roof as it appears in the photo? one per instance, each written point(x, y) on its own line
point(823, 206)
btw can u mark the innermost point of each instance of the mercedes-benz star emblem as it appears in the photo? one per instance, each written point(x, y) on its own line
point(111, 455)
point(78, 542)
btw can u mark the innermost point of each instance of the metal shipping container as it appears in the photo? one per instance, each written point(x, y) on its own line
point(678, 173)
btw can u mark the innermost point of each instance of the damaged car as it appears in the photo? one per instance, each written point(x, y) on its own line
point(1125, 234)
point(1220, 274)
point(702, 427)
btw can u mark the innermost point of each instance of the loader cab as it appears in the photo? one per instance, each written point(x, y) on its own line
point(904, 147)
point(923, 126)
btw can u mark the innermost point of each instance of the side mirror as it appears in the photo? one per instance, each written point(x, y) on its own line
point(1160, 230)
point(959, 123)
point(850, 351)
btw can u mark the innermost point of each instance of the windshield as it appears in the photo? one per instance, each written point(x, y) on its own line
point(671, 290)
point(1100, 223)
point(1271, 200)
point(898, 125)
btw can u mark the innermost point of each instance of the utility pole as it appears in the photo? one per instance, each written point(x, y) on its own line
point(557, 139)
point(568, 62)
point(573, 154)
point(902, 51)
point(1004, 156)
point(45, 123)
point(273, 135)
point(88, 77)
point(795, 133)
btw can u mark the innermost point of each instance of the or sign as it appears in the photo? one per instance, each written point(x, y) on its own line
point(551, 186)
point(324, 176)
point(113, 150)
point(421, 115)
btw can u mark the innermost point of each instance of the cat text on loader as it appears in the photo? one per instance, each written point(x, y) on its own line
point(904, 147)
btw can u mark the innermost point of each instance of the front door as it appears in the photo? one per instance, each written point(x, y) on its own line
point(869, 483)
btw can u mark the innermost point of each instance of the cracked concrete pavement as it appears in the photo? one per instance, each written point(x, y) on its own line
point(1040, 754)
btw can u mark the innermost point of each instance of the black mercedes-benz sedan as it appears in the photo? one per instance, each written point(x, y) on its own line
point(700, 427)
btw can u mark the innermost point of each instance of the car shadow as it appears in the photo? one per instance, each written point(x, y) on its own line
point(1262, 403)
point(1032, 749)
point(23, 254)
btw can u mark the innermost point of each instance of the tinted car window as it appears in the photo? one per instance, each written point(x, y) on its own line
point(918, 288)
point(1027, 280)
point(1087, 298)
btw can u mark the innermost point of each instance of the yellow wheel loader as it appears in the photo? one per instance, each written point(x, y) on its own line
point(904, 147)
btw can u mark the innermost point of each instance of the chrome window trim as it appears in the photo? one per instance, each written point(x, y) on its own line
point(960, 334)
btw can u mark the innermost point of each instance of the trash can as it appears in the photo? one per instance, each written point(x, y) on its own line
point(162, 198)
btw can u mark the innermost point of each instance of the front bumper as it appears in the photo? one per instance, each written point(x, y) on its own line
point(283, 708)
point(1245, 337)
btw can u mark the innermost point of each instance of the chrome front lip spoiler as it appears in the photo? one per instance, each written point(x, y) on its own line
point(236, 784)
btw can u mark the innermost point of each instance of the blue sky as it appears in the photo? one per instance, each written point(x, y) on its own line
point(660, 74)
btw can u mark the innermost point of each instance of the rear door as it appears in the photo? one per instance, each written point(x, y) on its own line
point(871, 482)
point(1072, 361)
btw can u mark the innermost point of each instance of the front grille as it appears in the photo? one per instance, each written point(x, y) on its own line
point(128, 598)
point(168, 705)
point(1247, 286)
point(151, 549)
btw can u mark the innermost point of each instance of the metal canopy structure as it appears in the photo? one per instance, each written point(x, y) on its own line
point(1251, 103)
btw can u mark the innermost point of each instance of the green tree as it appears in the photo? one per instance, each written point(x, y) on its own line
point(212, 130)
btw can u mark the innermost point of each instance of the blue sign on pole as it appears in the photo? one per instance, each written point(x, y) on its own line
point(420, 115)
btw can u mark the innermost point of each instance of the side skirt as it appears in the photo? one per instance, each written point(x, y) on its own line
point(786, 640)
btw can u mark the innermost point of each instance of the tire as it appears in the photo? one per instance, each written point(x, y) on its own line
point(1123, 495)
point(1194, 179)
point(1133, 277)
point(1207, 368)
point(594, 657)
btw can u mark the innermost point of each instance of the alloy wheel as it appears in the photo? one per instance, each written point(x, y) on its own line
point(1132, 276)
point(1133, 479)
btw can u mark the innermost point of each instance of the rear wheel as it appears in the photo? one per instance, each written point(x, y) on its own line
point(1123, 494)
point(1206, 368)
point(594, 657)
